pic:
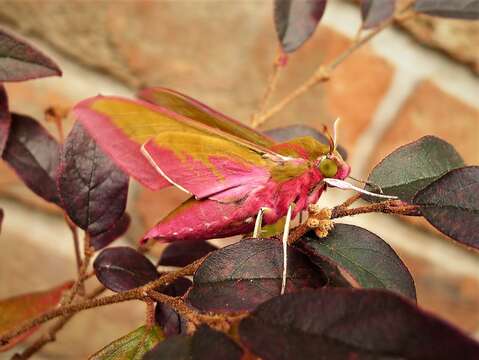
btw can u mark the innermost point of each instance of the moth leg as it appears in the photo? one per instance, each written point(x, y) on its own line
point(259, 221)
point(285, 248)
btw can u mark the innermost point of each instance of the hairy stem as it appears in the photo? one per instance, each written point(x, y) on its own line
point(140, 293)
point(270, 87)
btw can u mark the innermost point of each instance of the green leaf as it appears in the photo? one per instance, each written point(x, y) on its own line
point(414, 166)
point(451, 204)
point(364, 256)
point(131, 346)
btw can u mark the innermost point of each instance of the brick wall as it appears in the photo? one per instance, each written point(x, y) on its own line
point(411, 81)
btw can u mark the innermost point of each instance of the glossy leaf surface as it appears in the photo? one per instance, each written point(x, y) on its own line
point(21, 61)
point(245, 274)
point(5, 119)
point(375, 12)
point(456, 9)
point(205, 344)
point(131, 346)
point(451, 204)
point(296, 20)
point(412, 167)
point(92, 188)
point(184, 253)
point(351, 324)
point(283, 134)
point(366, 258)
point(17, 309)
point(123, 268)
point(34, 155)
point(118, 229)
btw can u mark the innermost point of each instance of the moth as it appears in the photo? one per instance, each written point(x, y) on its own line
point(237, 177)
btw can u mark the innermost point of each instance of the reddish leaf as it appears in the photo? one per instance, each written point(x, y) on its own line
point(34, 155)
point(364, 256)
point(92, 188)
point(451, 204)
point(18, 309)
point(243, 275)
point(5, 118)
point(296, 20)
point(456, 9)
point(351, 324)
point(168, 319)
point(375, 12)
point(21, 61)
point(1, 218)
point(205, 344)
point(284, 134)
point(184, 253)
point(412, 167)
point(118, 229)
point(123, 268)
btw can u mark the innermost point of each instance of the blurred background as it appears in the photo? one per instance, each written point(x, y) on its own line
point(414, 79)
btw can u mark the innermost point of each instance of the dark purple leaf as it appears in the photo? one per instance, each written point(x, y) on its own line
point(457, 9)
point(205, 344)
point(414, 166)
point(243, 275)
point(287, 133)
point(118, 229)
point(296, 20)
point(354, 324)
point(5, 118)
point(34, 155)
point(123, 268)
point(451, 204)
point(20, 61)
point(92, 188)
point(184, 253)
point(364, 256)
point(2, 214)
point(375, 12)
point(169, 320)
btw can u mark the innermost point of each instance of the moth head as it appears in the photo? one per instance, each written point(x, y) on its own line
point(332, 165)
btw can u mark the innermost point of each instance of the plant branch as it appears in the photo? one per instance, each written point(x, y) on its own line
point(396, 207)
point(76, 242)
point(323, 72)
point(140, 293)
point(270, 87)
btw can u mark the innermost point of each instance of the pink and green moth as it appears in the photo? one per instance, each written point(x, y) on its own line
point(232, 171)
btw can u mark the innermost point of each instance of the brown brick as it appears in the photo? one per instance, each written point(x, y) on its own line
point(452, 297)
point(226, 64)
point(431, 111)
point(458, 39)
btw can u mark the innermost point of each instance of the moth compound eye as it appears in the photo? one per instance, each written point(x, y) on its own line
point(328, 167)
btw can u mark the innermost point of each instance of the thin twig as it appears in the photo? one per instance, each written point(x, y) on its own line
point(76, 243)
point(140, 293)
point(270, 87)
point(323, 72)
point(396, 207)
point(50, 335)
point(351, 200)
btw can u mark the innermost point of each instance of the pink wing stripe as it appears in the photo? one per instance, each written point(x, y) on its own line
point(204, 180)
point(125, 152)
